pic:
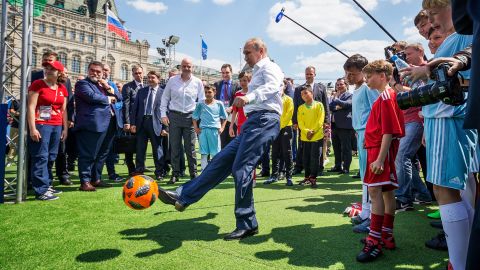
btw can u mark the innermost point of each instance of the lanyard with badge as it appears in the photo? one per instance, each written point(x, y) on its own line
point(45, 111)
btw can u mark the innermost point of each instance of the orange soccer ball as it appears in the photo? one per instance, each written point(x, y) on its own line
point(140, 192)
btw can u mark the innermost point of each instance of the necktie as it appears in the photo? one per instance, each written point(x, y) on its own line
point(225, 92)
point(148, 110)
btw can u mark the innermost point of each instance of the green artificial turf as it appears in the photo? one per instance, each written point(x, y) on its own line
point(300, 228)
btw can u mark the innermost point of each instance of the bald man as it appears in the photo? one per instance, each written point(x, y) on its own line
point(263, 106)
point(179, 99)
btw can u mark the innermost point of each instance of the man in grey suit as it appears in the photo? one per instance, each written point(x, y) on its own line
point(146, 123)
point(342, 129)
point(179, 99)
point(226, 90)
point(129, 93)
point(320, 95)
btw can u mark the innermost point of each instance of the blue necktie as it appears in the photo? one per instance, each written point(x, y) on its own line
point(148, 110)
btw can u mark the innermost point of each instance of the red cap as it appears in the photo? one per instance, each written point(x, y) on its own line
point(55, 64)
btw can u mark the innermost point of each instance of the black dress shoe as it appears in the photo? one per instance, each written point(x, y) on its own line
point(170, 197)
point(173, 180)
point(240, 234)
point(343, 172)
point(437, 224)
point(356, 176)
point(193, 176)
point(335, 169)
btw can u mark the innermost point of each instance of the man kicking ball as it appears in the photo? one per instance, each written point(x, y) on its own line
point(263, 106)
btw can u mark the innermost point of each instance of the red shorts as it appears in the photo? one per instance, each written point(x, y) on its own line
point(388, 178)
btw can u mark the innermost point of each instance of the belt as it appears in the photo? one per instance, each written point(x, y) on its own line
point(261, 111)
point(147, 116)
point(181, 113)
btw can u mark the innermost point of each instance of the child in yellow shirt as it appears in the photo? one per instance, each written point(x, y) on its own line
point(311, 116)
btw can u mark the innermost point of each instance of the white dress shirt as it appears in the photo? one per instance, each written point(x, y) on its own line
point(265, 88)
point(181, 96)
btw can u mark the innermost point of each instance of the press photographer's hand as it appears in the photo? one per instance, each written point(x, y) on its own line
point(455, 64)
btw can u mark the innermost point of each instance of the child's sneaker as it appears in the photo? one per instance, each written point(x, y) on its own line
point(271, 180)
point(434, 215)
point(313, 182)
point(371, 251)
point(304, 182)
point(363, 227)
point(388, 243)
point(47, 196)
point(289, 182)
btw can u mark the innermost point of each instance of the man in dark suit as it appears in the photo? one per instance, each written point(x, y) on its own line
point(94, 124)
point(342, 129)
point(146, 122)
point(226, 90)
point(320, 95)
point(129, 93)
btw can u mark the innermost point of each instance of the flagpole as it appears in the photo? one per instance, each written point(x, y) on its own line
point(106, 32)
point(201, 58)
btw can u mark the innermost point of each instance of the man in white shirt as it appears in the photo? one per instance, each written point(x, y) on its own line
point(263, 106)
point(179, 99)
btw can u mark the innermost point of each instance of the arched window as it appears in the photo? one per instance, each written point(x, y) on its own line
point(62, 57)
point(124, 72)
point(76, 64)
point(41, 27)
point(87, 62)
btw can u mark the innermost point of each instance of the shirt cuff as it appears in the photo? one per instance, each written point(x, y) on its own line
point(251, 98)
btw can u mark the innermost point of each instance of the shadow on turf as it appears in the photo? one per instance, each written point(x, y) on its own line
point(170, 235)
point(327, 247)
point(99, 255)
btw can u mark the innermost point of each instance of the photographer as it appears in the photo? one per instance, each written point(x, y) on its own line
point(407, 173)
point(444, 138)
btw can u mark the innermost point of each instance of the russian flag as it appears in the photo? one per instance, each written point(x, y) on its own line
point(114, 25)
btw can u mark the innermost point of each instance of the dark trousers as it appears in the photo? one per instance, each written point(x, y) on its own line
point(473, 260)
point(41, 153)
point(225, 137)
point(342, 147)
point(265, 161)
point(61, 162)
point(92, 151)
point(144, 134)
point(71, 149)
point(129, 162)
point(113, 157)
point(239, 158)
point(311, 158)
point(299, 163)
point(282, 151)
point(181, 128)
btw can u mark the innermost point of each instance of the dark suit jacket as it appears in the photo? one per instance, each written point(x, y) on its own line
point(129, 93)
point(138, 110)
point(466, 18)
point(319, 94)
point(92, 111)
point(342, 117)
point(118, 106)
point(233, 89)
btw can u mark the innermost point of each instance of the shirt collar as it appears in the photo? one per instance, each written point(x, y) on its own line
point(138, 83)
point(154, 88)
point(262, 62)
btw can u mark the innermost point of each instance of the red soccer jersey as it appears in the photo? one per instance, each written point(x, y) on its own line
point(385, 118)
point(49, 97)
point(241, 118)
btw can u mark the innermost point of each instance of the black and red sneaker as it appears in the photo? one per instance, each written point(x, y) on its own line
point(387, 243)
point(305, 182)
point(371, 251)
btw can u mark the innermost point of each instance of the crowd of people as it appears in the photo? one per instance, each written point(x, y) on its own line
point(237, 123)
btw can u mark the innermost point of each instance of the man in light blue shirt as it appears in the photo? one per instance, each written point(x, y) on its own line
point(263, 106)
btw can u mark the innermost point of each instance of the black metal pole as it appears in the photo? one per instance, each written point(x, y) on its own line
point(315, 35)
point(373, 19)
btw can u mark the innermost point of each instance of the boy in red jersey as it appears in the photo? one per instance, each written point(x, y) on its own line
point(384, 127)
point(238, 116)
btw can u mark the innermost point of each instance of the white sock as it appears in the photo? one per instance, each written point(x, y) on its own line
point(365, 203)
point(457, 232)
point(204, 161)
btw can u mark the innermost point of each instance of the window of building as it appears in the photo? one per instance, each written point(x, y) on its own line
point(62, 57)
point(62, 32)
point(124, 72)
point(34, 57)
point(76, 64)
point(90, 39)
point(53, 30)
point(41, 27)
point(87, 62)
point(73, 35)
point(82, 37)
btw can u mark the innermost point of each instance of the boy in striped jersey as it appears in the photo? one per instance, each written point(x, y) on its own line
point(384, 127)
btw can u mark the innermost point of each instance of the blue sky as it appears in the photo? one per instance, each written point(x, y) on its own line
point(226, 24)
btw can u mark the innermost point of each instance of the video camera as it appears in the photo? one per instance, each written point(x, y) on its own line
point(389, 52)
point(445, 88)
